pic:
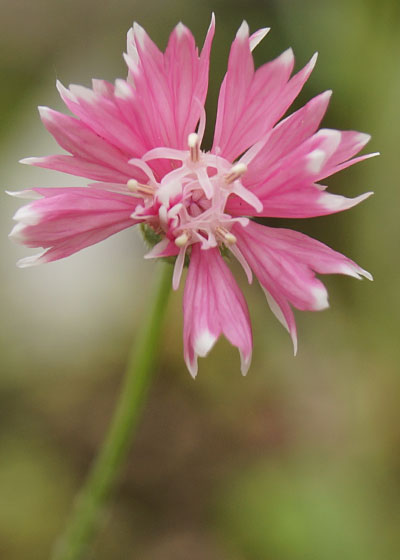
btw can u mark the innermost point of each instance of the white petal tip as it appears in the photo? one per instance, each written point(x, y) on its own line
point(336, 203)
point(82, 93)
point(192, 367)
point(181, 30)
point(356, 272)
point(60, 86)
point(258, 36)
point(65, 92)
point(293, 336)
point(203, 343)
point(27, 215)
point(31, 160)
point(33, 260)
point(27, 194)
point(330, 134)
point(45, 113)
point(320, 298)
point(363, 138)
point(16, 234)
point(139, 34)
point(245, 362)
point(315, 161)
point(243, 31)
point(122, 89)
point(287, 57)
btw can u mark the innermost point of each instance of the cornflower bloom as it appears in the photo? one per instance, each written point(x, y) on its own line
point(140, 140)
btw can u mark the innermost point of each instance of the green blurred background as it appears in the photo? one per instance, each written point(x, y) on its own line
point(298, 461)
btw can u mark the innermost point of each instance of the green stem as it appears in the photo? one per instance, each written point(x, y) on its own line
point(96, 490)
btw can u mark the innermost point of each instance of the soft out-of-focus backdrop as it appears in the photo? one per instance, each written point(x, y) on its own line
point(298, 461)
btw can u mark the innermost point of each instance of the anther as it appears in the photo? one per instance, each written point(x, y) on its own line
point(225, 235)
point(182, 239)
point(194, 147)
point(138, 188)
point(236, 171)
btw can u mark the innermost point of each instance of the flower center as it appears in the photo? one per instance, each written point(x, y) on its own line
point(188, 205)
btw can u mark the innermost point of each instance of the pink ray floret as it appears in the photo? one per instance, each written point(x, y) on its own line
point(139, 141)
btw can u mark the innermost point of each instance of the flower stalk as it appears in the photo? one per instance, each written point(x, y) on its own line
point(90, 503)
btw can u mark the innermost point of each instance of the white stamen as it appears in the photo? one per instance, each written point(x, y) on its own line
point(182, 239)
point(194, 147)
point(226, 236)
point(237, 171)
point(174, 211)
point(178, 268)
point(138, 188)
point(163, 215)
point(202, 122)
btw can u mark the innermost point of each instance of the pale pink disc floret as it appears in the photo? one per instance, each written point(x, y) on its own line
point(140, 141)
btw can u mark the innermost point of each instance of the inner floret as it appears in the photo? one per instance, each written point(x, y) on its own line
point(188, 205)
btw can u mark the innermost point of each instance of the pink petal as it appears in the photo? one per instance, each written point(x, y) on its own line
point(309, 161)
point(350, 144)
point(305, 200)
point(250, 103)
point(286, 136)
point(67, 220)
point(234, 89)
point(263, 104)
point(92, 156)
point(285, 263)
point(213, 305)
point(283, 312)
point(287, 188)
point(258, 36)
point(75, 165)
point(79, 140)
point(188, 79)
point(164, 248)
point(102, 114)
point(275, 267)
point(103, 88)
point(170, 88)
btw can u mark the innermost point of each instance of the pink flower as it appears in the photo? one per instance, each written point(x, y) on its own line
point(140, 141)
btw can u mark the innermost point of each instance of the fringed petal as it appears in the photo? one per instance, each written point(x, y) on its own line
point(213, 305)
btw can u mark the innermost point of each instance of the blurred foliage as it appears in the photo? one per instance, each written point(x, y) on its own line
point(300, 460)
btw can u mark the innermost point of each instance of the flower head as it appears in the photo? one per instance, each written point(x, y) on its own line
point(140, 140)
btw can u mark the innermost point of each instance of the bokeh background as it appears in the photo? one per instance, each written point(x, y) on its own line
point(298, 461)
